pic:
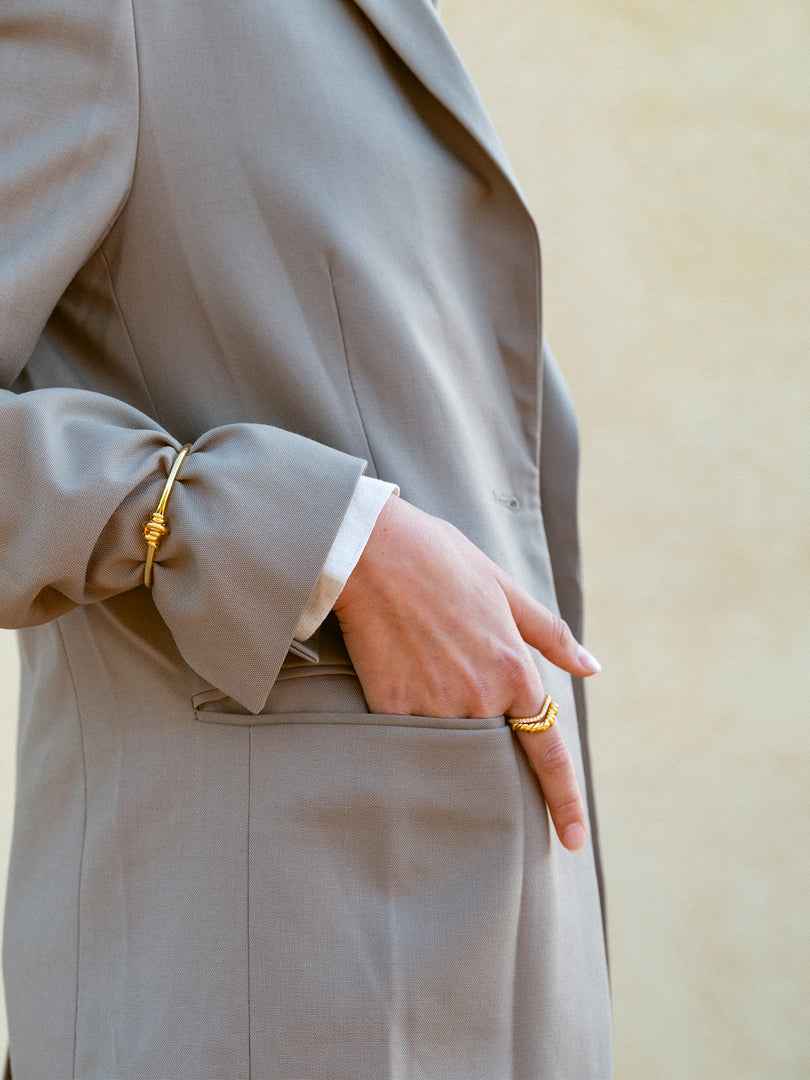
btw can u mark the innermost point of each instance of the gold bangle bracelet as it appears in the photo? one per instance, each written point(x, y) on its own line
point(156, 528)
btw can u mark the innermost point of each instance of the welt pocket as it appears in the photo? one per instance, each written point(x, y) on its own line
point(321, 694)
point(367, 719)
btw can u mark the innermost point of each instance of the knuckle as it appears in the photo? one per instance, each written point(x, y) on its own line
point(394, 698)
point(560, 632)
point(567, 810)
point(436, 699)
point(395, 705)
point(552, 755)
point(515, 666)
point(480, 697)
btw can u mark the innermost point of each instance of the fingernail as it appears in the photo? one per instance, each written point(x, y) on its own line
point(574, 838)
point(588, 660)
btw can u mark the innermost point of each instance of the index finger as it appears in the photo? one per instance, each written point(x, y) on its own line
point(549, 757)
point(547, 631)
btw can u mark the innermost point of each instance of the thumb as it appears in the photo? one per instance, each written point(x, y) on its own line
point(547, 632)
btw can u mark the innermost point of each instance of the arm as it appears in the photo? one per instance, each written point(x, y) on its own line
point(82, 471)
point(434, 628)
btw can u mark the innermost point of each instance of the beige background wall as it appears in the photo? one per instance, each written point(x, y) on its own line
point(666, 151)
point(665, 148)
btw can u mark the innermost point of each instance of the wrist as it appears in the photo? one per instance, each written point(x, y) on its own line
point(356, 585)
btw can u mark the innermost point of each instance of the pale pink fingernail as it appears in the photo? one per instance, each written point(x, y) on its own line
point(588, 660)
point(574, 838)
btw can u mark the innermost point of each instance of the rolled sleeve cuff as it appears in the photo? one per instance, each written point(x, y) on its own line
point(370, 496)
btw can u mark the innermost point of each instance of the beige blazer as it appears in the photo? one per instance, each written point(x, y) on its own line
point(284, 231)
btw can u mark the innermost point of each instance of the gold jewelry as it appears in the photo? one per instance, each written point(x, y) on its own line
point(156, 528)
point(545, 719)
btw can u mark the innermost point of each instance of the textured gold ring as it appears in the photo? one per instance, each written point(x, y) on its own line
point(545, 719)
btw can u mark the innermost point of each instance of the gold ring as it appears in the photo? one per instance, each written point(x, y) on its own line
point(545, 719)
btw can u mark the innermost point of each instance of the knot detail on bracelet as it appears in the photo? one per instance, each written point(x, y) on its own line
point(153, 532)
point(155, 529)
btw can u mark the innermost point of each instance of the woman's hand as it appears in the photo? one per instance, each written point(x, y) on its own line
point(435, 628)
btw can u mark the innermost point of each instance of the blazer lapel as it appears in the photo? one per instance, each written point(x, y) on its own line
point(414, 31)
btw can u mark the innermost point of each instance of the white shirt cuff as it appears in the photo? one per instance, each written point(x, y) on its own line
point(369, 497)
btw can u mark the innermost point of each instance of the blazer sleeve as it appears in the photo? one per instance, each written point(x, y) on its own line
point(255, 510)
